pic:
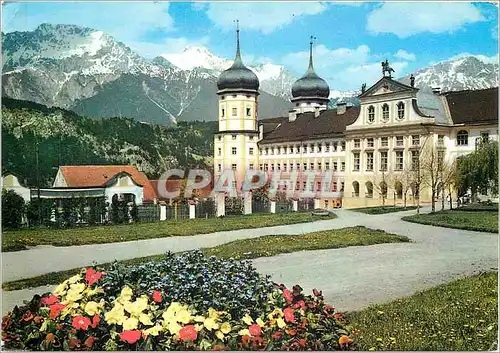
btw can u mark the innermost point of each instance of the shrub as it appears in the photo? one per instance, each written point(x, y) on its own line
point(91, 311)
point(12, 209)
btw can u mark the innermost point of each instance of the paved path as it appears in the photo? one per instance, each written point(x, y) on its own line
point(350, 278)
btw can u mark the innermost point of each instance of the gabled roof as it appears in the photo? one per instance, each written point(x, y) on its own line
point(395, 84)
point(100, 175)
point(308, 127)
point(473, 107)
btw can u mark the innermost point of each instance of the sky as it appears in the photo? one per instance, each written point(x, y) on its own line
point(352, 38)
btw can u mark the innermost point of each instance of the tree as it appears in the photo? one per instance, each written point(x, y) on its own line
point(431, 165)
point(447, 178)
point(12, 209)
point(405, 178)
point(380, 183)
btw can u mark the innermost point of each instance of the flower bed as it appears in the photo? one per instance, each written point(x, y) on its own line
point(186, 302)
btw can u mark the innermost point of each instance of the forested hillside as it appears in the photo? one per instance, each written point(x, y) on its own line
point(62, 137)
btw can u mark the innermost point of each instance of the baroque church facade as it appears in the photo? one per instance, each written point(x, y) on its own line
point(369, 151)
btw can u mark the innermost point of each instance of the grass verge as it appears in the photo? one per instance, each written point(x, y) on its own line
point(247, 249)
point(20, 239)
point(477, 221)
point(459, 316)
point(384, 209)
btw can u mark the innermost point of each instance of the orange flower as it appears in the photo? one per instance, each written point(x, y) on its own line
point(287, 295)
point(338, 316)
point(157, 296)
point(81, 322)
point(289, 316)
point(291, 332)
point(37, 319)
point(254, 330)
point(302, 342)
point(304, 323)
point(188, 333)
point(95, 321)
point(50, 338)
point(52, 299)
point(276, 335)
point(92, 276)
point(89, 342)
point(74, 343)
point(55, 309)
point(28, 316)
point(130, 336)
point(344, 340)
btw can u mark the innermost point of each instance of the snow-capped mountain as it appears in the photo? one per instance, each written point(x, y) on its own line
point(468, 72)
point(88, 71)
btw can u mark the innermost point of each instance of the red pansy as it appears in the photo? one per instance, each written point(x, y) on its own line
point(300, 304)
point(302, 342)
point(188, 333)
point(89, 342)
point(130, 336)
point(95, 321)
point(291, 332)
point(55, 309)
point(157, 296)
point(92, 276)
point(81, 322)
point(289, 316)
point(276, 335)
point(28, 316)
point(74, 343)
point(254, 330)
point(50, 300)
point(288, 296)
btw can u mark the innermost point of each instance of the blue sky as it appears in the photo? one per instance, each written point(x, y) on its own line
point(352, 38)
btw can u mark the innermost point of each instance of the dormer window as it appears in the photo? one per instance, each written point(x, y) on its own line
point(401, 110)
point(223, 112)
point(235, 112)
point(249, 112)
point(371, 114)
point(385, 112)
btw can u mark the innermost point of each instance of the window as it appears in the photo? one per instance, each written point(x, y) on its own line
point(251, 138)
point(371, 114)
point(334, 188)
point(304, 149)
point(369, 189)
point(249, 112)
point(383, 161)
point(223, 112)
point(399, 141)
point(250, 151)
point(334, 165)
point(334, 146)
point(384, 141)
point(342, 146)
point(220, 167)
point(342, 166)
point(357, 143)
point(219, 151)
point(285, 167)
point(233, 137)
point(278, 150)
point(312, 166)
point(462, 138)
point(304, 166)
point(440, 157)
point(414, 160)
point(291, 149)
point(266, 166)
point(284, 149)
point(319, 165)
point(304, 185)
point(369, 161)
point(485, 136)
point(341, 186)
point(219, 138)
point(318, 147)
point(222, 97)
point(272, 150)
point(318, 186)
point(260, 150)
point(356, 161)
point(233, 150)
point(355, 188)
point(385, 112)
point(311, 148)
point(233, 166)
point(415, 140)
point(272, 167)
point(234, 184)
point(267, 150)
point(369, 142)
point(297, 150)
point(401, 110)
point(327, 147)
point(251, 166)
point(327, 166)
point(440, 140)
point(399, 160)
point(260, 167)
point(235, 111)
point(279, 166)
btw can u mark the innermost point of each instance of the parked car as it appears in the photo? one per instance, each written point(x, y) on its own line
point(320, 212)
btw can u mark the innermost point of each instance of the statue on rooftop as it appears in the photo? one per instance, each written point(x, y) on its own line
point(412, 80)
point(386, 68)
point(363, 88)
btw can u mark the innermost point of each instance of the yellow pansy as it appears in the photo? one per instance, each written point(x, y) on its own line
point(212, 313)
point(135, 308)
point(174, 327)
point(281, 323)
point(175, 307)
point(73, 296)
point(91, 292)
point(145, 319)
point(74, 279)
point(92, 308)
point(198, 327)
point(260, 322)
point(116, 315)
point(130, 324)
point(225, 328)
point(153, 331)
point(275, 313)
point(244, 332)
point(125, 295)
point(184, 316)
point(219, 335)
point(61, 289)
point(168, 316)
point(199, 318)
point(210, 324)
point(247, 319)
point(77, 287)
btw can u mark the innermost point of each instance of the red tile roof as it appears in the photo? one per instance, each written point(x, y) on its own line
point(99, 175)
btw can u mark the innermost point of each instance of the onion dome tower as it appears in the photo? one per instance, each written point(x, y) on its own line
point(310, 92)
point(235, 144)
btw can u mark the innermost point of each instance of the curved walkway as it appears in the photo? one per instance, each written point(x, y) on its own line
point(350, 278)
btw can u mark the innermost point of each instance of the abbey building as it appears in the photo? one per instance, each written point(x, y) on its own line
point(376, 151)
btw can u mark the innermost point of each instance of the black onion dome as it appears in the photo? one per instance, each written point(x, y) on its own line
point(238, 76)
point(310, 85)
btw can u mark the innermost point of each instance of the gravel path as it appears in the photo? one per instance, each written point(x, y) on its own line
point(351, 278)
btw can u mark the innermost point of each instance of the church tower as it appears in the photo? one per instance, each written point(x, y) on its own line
point(310, 92)
point(235, 144)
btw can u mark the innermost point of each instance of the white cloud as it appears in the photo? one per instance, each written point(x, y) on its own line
point(484, 58)
point(126, 21)
point(261, 16)
point(409, 18)
point(403, 54)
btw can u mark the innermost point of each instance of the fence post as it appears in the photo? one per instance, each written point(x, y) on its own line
point(295, 205)
point(316, 203)
point(247, 206)
point(192, 210)
point(163, 212)
point(273, 206)
point(220, 204)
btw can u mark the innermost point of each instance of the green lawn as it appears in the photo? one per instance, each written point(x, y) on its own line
point(459, 316)
point(18, 239)
point(383, 209)
point(493, 207)
point(247, 249)
point(479, 221)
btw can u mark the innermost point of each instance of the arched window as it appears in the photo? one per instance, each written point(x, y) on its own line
point(355, 188)
point(371, 114)
point(462, 138)
point(399, 189)
point(383, 188)
point(369, 189)
point(385, 112)
point(401, 110)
